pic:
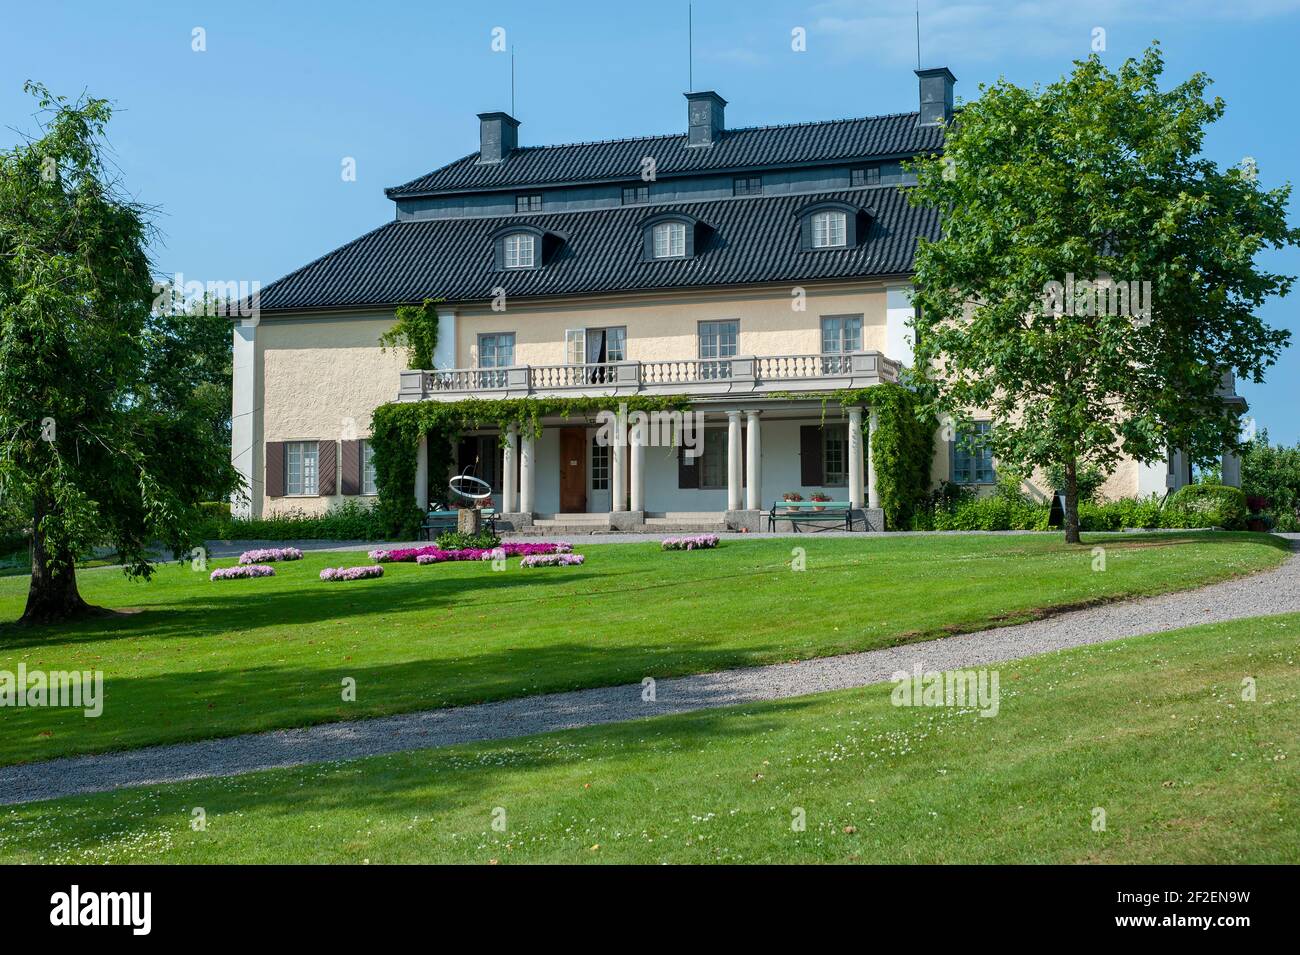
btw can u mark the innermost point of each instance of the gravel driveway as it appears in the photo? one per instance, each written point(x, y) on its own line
point(1272, 592)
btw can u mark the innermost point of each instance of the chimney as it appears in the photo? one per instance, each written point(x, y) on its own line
point(936, 96)
point(704, 113)
point(498, 135)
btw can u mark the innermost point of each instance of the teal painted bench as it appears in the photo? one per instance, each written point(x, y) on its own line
point(440, 519)
point(807, 512)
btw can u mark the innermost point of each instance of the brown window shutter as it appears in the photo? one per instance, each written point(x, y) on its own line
point(810, 455)
point(275, 469)
point(688, 469)
point(327, 465)
point(350, 468)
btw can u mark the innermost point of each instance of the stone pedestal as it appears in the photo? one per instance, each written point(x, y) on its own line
point(469, 520)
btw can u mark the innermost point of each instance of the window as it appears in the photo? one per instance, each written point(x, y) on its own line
point(636, 195)
point(867, 176)
point(529, 203)
point(300, 467)
point(747, 186)
point(519, 248)
point(717, 343)
point(713, 458)
point(828, 230)
point(670, 240)
point(495, 351)
point(599, 465)
point(972, 459)
point(841, 336)
point(596, 347)
point(835, 455)
point(368, 485)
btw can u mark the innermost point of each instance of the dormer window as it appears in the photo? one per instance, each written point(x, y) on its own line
point(865, 176)
point(670, 240)
point(521, 247)
point(520, 250)
point(834, 224)
point(829, 229)
point(636, 195)
point(528, 202)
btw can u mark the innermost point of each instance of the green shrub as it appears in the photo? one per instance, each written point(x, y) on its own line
point(1216, 505)
point(350, 520)
point(991, 514)
point(1120, 515)
point(1087, 479)
point(455, 540)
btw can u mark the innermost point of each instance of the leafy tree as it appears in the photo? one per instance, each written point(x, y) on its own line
point(1272, 472)
point(106, 435)
point(1095, 178)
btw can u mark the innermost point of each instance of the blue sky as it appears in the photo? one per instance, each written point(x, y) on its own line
point(241, 146)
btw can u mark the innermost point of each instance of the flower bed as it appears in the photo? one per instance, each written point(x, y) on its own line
point(265, 554)
point(436, 555)
point(693, 542)
point(551, 560)
point(242, 572)
point(351, 573)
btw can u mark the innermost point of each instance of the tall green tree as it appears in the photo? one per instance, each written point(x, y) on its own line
point(106, 435)
point(1097, 178)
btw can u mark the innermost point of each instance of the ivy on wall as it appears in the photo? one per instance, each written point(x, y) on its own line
point(902, 446)
point(416, 331)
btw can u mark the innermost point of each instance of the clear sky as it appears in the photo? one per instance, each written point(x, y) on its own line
point(241, 146)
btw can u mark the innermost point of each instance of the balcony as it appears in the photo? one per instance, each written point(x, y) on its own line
point(702, 377)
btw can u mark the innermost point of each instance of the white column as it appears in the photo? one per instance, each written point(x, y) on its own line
point(855, 457)
point(753, 464)
point(510, 480)
point(617, 465)
point(637, 437)
point(1230, 469)
point(873, 496)
point(245, 440)
point(422, 473)
point(527, 482)
point(733, 460)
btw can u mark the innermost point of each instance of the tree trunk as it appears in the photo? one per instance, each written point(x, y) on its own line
point(1072, 500)
point(53, 594)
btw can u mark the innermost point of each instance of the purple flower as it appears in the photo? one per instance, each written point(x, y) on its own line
point(242, 572)
point(269, 554)
point(551, 560)
point(693, 542)
point(432, 554)
point(351, 573)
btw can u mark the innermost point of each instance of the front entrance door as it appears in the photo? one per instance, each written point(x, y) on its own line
point(573, 470)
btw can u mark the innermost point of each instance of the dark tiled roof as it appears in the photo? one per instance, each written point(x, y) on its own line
point(753, 240)
point(801, 143)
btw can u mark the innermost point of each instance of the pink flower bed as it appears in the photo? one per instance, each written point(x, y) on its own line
point(269, 554)
point(693, 542)
point(551, 560)
point(351, 573)
point(242, 572)
point(436, 555)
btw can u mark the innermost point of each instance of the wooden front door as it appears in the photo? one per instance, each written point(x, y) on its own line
point(573, 470)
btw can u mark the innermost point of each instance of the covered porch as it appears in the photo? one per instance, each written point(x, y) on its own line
point(720, 465)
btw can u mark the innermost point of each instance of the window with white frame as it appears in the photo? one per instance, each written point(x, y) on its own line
point(300, 460)
point(972, 458)
point(519, 248)
point(495, 351)
point(670, 240)
point(828, 229)
point(717, 344)
point(599, 465)
point(368, 485)
point(841, 336)
point(835, 455)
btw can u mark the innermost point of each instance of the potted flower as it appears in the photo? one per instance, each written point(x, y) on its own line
point(791, 497)
point(819, 496)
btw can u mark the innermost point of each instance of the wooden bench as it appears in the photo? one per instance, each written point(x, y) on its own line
point(440, 519)
point(801, 512)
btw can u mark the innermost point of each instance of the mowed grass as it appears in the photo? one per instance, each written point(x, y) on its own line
point(1152, 730)
point(197, 659)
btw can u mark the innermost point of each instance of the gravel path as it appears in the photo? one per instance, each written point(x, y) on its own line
point(1272, 592)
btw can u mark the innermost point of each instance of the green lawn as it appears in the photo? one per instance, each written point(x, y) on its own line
point(202, 659)
point(1153, 730)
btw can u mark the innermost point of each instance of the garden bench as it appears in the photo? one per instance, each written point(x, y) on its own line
point(441, 519)
point(802, 512)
